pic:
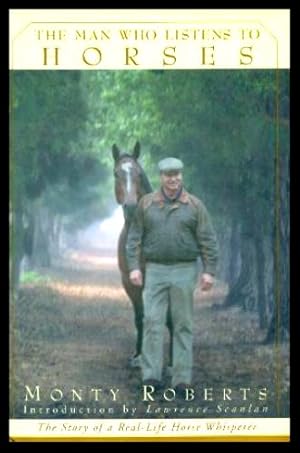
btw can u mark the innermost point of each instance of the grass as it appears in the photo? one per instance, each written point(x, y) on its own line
point(33, 277)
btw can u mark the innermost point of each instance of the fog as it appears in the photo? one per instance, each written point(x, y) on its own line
point(103, 233)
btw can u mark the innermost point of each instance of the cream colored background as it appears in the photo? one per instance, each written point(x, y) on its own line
point(271, 50)
point(55, 428)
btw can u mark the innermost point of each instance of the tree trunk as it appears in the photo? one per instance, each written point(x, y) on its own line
point(243, 293)
point(235, 260)
point(58, 236)
point(278, 330)
point(284, 247)
point(41, 254)
point(16, 248)
point(261, 272)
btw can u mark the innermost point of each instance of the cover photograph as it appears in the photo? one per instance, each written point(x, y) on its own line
point(149, 225)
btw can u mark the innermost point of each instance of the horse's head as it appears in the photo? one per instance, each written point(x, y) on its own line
point(131, 182)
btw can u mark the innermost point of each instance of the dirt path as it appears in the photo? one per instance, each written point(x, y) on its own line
point(76, 331)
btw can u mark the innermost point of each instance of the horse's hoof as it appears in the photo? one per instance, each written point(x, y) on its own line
point(135, 362)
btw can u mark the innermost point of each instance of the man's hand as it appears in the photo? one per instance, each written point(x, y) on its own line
point(207, 281)
point(136, 277)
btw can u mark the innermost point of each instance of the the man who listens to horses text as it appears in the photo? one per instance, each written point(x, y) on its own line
point(171, 229)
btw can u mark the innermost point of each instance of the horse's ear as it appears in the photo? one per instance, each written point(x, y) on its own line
point(115, 152)
point(137, 150)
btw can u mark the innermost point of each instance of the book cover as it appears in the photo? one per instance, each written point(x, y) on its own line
point(211, 88)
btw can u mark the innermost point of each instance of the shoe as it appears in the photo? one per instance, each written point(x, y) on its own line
point(180, 389)
point(158, 385)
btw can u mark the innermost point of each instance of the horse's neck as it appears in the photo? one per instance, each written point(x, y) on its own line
point(126, 226)
point(146, 186)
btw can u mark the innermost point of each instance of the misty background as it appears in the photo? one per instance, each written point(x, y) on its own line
point(230, 128)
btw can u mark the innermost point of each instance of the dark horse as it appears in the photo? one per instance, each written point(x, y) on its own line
point(131, 183)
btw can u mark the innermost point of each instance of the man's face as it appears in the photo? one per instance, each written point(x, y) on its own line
point(171, 181)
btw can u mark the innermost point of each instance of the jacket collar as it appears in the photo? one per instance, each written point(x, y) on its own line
point(158, 197)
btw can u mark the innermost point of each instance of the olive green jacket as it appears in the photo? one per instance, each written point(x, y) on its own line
point(171, 232)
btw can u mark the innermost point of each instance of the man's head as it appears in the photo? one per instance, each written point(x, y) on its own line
point(171, 174)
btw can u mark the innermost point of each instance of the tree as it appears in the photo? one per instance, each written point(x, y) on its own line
point(48, 150)
point(222, 124)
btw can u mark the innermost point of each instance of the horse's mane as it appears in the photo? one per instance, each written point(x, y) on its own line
point(145, 181)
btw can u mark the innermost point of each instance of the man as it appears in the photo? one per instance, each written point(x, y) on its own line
point(170, 230)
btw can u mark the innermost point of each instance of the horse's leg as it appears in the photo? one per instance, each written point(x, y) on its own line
point(135, 295)
point(170, 328)
point(138, 315)
point(133, 292)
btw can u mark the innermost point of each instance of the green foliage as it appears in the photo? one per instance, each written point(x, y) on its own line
point(48, 112)
point(221, 123)
point(33, 277)
point(50, 154)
